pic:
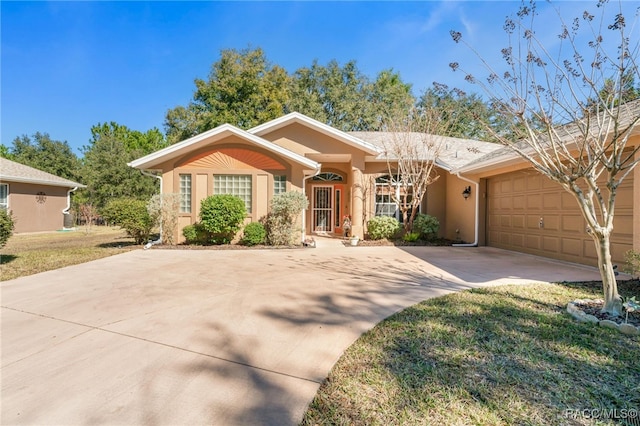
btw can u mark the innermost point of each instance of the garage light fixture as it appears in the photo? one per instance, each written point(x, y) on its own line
point(466, 192)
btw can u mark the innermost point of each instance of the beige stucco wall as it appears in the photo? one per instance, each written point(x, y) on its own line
point(306, 141)
point(460, 212)
point(202, 164)
point(33, 216)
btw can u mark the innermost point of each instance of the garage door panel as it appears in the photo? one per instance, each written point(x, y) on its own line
point(517, 221)
point(572, 224)
point(551, 201)
point(534, 202)
point(572, 246)
point(551, 244)
point(517, 201)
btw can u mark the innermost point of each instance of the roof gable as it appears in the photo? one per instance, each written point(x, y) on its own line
point(204, 139)
point(11, 171)
point(297, 118)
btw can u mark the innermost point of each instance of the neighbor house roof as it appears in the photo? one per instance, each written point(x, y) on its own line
point(10, 171)
point(454, 152)
point(296, 117)
point(153, 160)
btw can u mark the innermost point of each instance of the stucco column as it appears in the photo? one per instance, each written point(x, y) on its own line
point(357, 227)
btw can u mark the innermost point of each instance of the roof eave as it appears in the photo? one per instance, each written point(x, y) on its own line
point(296, 117)
point(16, 179)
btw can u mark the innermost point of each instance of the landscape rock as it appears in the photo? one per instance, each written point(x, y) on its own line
point(628, 329)
point(608, 324)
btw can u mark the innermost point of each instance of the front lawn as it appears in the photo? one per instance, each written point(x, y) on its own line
point(27, 254)
point(495, 356)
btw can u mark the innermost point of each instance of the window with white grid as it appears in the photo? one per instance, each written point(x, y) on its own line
point(279, 184)
point(185, 193)
point(238, 185)
point(4, 196)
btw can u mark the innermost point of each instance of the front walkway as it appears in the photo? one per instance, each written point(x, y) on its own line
point(234, 337)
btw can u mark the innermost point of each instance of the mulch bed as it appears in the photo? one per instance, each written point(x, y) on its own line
point(402, 243)
point(625, 287)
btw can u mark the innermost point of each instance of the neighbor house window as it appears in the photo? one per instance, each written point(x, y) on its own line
point(279, 184)
point(185, 193)
point(4, 196)
point(238, 185)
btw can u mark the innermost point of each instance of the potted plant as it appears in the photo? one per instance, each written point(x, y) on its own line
point(353, 240)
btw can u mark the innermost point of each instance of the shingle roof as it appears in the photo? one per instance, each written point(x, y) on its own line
point(455, 152)
point(10, 171)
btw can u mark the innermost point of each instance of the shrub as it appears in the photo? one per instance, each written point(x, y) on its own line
point(222, 216)
point(195, 234)
point(254, 234)
point(426, 226)
point(280, 222)
point(6, 227)
point(165, 207)
point(381, 227)
point(132, 216)
point(632, 262)
point(411, 237)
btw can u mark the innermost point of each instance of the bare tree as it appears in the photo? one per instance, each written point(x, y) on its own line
point(567, 127)
point(412, 148)
point(89, 214)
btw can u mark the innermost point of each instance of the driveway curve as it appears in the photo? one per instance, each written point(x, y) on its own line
point(216, 337)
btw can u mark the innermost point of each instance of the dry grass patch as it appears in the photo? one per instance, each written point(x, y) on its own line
point(27, 254)
point(496, 356)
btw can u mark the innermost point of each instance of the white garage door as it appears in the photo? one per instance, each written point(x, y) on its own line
point(531, 214)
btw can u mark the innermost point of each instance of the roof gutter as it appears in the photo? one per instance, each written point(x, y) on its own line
point(159, 240)
point(304, 213)
point(477, 218)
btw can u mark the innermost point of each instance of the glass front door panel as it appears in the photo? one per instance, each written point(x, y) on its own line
point(322, 209)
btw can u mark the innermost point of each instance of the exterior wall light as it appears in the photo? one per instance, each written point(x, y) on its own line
point(466, 193)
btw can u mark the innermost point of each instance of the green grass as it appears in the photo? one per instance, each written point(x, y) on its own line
point(27, 254)
point(497, 356)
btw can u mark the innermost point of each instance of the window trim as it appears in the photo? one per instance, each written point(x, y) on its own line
point(6, 204)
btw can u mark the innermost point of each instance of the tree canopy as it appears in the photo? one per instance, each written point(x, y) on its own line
point(41, 152)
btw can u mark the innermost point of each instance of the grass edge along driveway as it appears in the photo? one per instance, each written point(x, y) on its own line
point(493, 356)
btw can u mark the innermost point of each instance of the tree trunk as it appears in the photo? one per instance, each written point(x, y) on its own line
point(612, 301)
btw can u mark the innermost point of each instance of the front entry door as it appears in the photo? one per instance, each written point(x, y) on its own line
point(322, 209)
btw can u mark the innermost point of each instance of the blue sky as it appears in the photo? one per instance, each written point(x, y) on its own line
point(66, 66)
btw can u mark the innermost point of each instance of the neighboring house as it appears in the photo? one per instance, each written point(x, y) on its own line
point(37, 200)
point(346, 174)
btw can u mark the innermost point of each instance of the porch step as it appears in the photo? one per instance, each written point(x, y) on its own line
point(327, 242)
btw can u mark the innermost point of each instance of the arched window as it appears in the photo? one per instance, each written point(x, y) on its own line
point(328, 177)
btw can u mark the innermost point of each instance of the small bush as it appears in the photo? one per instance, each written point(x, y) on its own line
point(222, 216)
point(381, 227)
point(632, 262)
point(195, 234)
point(280, 222)
point(132, 216)
point(411, 237)
point(254, 234)
point(6, 227)
point(426, 226)
point(165, 208)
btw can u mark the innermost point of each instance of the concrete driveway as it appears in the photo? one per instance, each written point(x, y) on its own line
point(185, 337)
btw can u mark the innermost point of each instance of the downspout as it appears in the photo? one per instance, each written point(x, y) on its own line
point(477, 219)
point(159, 240)
point(304, 214)
point(66, 210)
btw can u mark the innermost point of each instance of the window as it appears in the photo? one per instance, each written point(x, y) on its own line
point(386, 189)
point(185, 193)
point(238, 185)
point(279, 184)
point(327, 177)
point(4, 196)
